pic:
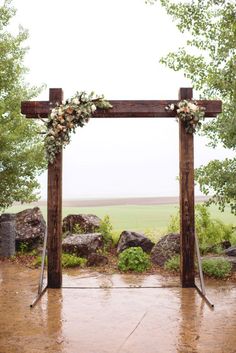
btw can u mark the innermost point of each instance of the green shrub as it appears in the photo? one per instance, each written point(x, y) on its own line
point(68, 260)
point(209, 231)
point(105, 229)
point(173, 264)
point(233, 237)
point(154, 234)
point(115, 237)
point(23, 248)
point(38, 261)
point(218, 268)
point(134, 259)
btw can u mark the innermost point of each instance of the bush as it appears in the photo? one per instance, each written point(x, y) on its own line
point(23, 248)
point(154, 234)
point(134, 259)
point(218, 268)
point(67, 260)
point(105, 229)
point(173, 264)
point(209, 231)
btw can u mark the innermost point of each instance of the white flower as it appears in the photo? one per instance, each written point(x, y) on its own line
point(53, 113)
point(172, 106)
point(193, 107)
point(93, 108)
point(75, 100)
point(60, 111)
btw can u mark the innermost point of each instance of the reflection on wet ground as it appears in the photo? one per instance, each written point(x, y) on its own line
point(109, 319)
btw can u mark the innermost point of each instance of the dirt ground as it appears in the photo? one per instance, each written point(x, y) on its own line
point(113, 314)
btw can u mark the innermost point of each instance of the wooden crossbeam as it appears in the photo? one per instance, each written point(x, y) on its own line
point(124, 109)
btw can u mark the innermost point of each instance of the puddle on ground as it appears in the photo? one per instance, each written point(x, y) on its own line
point(118, 320)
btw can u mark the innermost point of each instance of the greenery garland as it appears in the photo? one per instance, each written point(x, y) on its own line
point(64, 119)
point(190, 113)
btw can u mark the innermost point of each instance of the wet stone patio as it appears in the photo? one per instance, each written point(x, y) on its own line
point(114, 314)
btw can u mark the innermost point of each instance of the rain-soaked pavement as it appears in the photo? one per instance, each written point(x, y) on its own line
point(107, 318)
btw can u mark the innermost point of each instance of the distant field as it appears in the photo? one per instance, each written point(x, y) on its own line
point(134, 217)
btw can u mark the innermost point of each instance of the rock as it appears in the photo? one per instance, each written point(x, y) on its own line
point(165, 248)
point(97, 260)
point(30, 227)
point(132, 239)
point(87, 223)
point(230, 251)
point(82, 244)
point(7, 234)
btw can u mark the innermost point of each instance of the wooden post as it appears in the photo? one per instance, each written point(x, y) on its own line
point(54, 216)
point(187, 224)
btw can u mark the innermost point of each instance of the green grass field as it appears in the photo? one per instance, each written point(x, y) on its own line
point(137, 218)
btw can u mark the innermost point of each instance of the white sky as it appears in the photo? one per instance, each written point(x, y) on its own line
point(111, 47)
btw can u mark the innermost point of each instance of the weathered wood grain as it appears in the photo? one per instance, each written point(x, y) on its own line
point(54, 216)
point(186, 177)
point(123, 109)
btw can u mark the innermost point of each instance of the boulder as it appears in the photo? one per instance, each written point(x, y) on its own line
point(7, 234)
point(82, 244)
point(165, 248)
point(97, 260)
point(30, 227)
point(132, 239)
point(87, 223)
point(230, 251)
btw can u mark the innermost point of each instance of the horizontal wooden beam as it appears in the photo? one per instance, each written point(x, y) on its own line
point(35, 109)
point(125, 109)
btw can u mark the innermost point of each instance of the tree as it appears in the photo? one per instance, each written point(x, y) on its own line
point(21, 148)
point(209, 60)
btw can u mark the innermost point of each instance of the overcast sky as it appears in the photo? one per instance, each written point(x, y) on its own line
point(111, 47)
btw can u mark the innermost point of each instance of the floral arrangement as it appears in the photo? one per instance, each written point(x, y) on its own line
point(190, 113)
point(64, 119)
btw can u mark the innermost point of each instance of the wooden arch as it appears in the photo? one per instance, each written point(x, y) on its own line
point(124, 109)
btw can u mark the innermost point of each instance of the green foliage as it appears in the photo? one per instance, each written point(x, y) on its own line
point(154, 234)
point(68, 260)
point(23, 248)
point(105, 229)
point(21, 149)
point(218, 268)
point(208, 60)
point(209, 231)
point(134, 259)
point(37, 261)
point(219, 176)
point(173, 264)
point(233, 238)
point(115, 237)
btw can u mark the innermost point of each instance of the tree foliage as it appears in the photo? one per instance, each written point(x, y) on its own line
point(21, 149)
point(210, 231)
point(209, 61)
